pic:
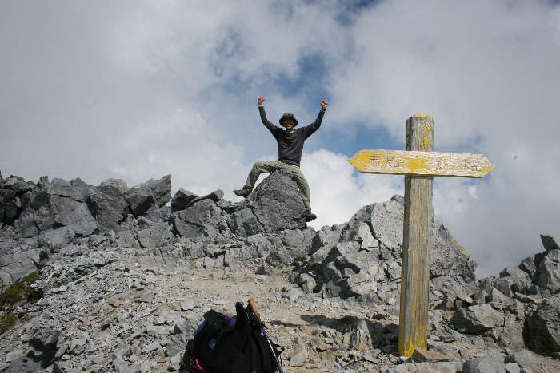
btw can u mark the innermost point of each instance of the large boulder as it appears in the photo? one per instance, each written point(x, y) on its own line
point(447, 256)
point(182, 199)
point(277, 203)
point(542, 329)
point(244, 222)
point(477, 319)
point(56, 204)
point(147, 198)
point(202, 219)
point(363, 257)
point(153, 234)
point(108, 204)
point(547, 274)
point(75, 189)
point(74, 214)
point(140, 200)
point(549, 243)
point(9, 208)
point(160, 189)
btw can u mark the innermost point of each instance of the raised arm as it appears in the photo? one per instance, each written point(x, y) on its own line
point(268, 124)
point(317, 123)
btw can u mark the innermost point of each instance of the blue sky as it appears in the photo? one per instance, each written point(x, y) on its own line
point(139, 89)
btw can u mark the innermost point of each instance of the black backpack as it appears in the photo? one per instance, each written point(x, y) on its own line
point(237, 344)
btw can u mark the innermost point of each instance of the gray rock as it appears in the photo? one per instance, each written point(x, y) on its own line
point(215, 196)
point(277, 203)
point(113, 186)
point(77, 345)
point(73, 214)
point(548, 271)
point(26, 224)
point(208, 262)
point(420, 354)
point(307, 282)
point(294, 294)
point(477, 319)
point(299, 238)
point(17, 184)
point(155, 235)
point(441, 367)
point(518, 280)
point(187, 304)
point(108, 205)
point(43, 341)
point(542, 328)
point(448, 256)
point(161, 189)
point(279, 258)
point(126, 238)
point(76, 189)
point(386, 220)
point(56, 238)
point(528, 265)
point(264, 243)
point(9, 209)
point(140, 200)
point(365, 238)
point(527, 360)
point(299, 355)
point(24, 364)
point(360, 337)
point(513, 368)
point(203, 218)
point(369, 252)
point(245, 223)
point(491, 363)
point(182, 199)
point(549, 243)
point(328, 236)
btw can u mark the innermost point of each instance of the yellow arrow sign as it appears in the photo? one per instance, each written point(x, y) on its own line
point(408, 162)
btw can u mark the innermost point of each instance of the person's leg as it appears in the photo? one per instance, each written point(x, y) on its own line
point(258, 168)
point(303, 187)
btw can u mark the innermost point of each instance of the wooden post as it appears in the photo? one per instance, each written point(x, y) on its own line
point(417, 240)
point(419, 164)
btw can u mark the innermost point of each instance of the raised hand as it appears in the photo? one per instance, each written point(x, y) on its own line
point(324, 104)
point(260, 100)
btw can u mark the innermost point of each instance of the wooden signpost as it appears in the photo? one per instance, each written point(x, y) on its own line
point(419, 164)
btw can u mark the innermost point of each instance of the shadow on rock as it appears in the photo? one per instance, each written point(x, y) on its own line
point(360, 334)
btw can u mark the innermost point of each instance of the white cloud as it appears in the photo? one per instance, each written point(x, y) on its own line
point(141, 89)
point(185, 145)
point(337, 191)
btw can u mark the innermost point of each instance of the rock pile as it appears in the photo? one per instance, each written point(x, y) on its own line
point(126, 274)
point(42, 217)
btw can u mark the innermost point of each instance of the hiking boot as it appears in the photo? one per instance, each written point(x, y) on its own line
point(243, 192)
point(310, 216)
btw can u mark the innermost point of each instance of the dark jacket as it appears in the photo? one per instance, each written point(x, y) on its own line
point(290, 145)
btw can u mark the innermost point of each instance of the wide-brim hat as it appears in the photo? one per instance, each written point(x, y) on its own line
point(288, 116)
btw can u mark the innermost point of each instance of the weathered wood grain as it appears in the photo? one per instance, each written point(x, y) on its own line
point(417, 239)
point(402, 162)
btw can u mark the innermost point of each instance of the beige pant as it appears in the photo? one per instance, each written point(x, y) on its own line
point(261, 167)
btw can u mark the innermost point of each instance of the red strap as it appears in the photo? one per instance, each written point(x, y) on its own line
point(197, 365)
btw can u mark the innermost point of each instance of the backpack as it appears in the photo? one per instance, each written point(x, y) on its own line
point(237, 344)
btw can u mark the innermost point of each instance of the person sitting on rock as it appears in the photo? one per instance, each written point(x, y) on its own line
point(290, 146)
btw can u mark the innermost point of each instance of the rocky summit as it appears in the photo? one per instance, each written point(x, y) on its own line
point(111, 278)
